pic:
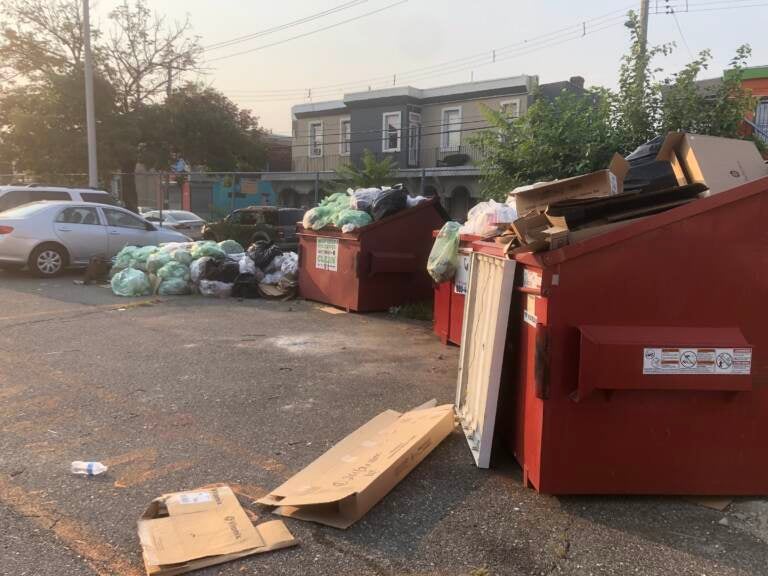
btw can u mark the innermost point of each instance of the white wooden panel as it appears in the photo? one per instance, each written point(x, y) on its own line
point(486, 315)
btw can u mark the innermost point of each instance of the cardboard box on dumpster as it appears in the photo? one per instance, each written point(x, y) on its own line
point(594, 185)
point(343, 484)
point(719, 163)
point(186, 531)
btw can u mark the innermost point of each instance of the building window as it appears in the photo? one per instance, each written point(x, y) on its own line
point(761, 119)
point(391, 132)
point(451, 133)
point(414, 138)
point(315, 139)
point(345, 131)
point(510, 108)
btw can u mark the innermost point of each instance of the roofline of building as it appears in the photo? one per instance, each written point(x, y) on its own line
point(516, 84)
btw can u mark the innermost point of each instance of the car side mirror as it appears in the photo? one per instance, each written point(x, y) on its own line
point(150, 227)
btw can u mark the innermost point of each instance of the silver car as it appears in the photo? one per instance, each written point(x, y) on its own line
point(179, 220)
point(50, 236)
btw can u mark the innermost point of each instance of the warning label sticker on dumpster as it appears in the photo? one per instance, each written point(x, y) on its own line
point(461, 279)
point(327, 256)
point(697, 360)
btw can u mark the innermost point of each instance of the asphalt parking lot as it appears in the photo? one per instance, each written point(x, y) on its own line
point(177, 393)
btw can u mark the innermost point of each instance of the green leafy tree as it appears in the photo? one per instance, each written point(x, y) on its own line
point(577, 133)
point(569, 135)
point(639, 99)
point(206, 128)
point(370, 172)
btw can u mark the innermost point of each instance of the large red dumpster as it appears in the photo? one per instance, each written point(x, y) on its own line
point(374, 267)
point(448, 314)
point(642, 357)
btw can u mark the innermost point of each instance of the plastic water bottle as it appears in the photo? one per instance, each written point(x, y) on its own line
point(88, 468)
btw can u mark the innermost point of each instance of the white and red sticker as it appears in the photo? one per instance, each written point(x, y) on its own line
point(697, 360)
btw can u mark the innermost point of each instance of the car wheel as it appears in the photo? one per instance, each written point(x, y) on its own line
point(48, 260)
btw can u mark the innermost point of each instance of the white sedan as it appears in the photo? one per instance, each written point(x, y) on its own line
point(179, 220)
point(50, 236)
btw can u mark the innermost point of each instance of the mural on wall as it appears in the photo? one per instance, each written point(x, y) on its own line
point(232, 193)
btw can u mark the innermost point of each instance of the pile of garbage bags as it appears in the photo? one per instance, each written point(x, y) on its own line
point(357, 208)
point(205, 267)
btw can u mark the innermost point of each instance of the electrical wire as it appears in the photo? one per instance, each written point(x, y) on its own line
point(384, 136)
point(578, 28)
point(445, 70)
point(682, 36)
point(310, 32)
point(284, 26)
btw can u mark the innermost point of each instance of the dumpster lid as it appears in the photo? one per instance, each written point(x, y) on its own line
point(645, 225)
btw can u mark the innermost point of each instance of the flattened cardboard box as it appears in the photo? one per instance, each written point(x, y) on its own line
point(340, 486)
point(185, 531)
point(594, 185)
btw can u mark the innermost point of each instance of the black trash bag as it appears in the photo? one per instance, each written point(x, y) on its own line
point(364, 198)
point(390, 202)
point(246, 285)
point(646, 174)
point(263, 252)
point(220, 271)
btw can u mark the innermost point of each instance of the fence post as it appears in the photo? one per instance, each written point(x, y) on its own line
point(317, 188)
point(421, 187)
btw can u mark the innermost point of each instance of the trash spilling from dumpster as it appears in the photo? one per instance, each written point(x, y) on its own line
point(662, 174)
point(218, 270)
point(185, 531)
point(358, 208)
point(348, 480)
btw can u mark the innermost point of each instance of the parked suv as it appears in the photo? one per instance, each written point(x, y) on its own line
point(12, 196)
point(247, 225)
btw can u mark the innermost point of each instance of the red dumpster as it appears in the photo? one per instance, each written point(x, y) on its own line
point(448, 314)
point(374, 267)
point(642, 360)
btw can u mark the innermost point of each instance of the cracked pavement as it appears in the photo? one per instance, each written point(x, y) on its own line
point(183, 392)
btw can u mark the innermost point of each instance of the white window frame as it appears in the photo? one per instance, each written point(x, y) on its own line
point(515, 103)
point(414, 153)
point(320, 138)
point(385, 132)
point(342, 136)
point(446, 130)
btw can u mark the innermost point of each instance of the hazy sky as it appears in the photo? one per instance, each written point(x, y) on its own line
point(541, 37)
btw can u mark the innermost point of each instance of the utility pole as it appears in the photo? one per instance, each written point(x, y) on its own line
point(643, 33)
point(90, 110)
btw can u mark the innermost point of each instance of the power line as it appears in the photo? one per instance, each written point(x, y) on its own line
point(533, 47)
point(279, 27)
point(488, 56)
point(310, 32)
point(682, 36)
point(466, 120)
point(384, 135)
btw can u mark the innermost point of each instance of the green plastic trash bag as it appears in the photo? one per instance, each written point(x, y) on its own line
point(124, 258)
point(231, 247)
point(444, 257)
point(157, 260)
point(207, 248)
point(182, 256)
point(131, 282)
point(357, 218)
point(173, 287)
point(319, 217)
point(174, 270)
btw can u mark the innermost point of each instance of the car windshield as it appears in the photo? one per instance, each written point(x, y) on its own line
point(23, 211)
